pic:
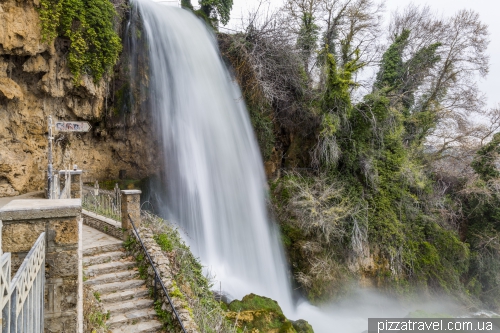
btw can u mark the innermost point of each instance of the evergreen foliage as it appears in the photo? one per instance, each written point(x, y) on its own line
point(375, 160)
point(369, 201)
point(484, 162)
point(211, 11)
point(88, 24)
point(221, 9)
point(307, 38)
point(389, 216)
point(376, 198)
point(482, 207)
point(187, 4)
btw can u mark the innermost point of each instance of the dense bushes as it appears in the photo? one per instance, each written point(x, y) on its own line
point(368, 202)
point(88, 24)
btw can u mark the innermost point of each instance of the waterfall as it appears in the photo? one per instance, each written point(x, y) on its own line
point(216, 183)
point(216, 188)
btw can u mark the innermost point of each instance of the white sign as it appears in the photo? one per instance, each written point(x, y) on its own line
point(73, 126)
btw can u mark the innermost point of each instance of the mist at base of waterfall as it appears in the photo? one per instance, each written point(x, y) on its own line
point(350, 315)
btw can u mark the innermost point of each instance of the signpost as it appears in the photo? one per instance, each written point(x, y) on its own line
point(49, 167)
point(61, 126)
point(73, 126)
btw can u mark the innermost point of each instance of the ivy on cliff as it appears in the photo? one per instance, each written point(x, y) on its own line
point(211, 11)
point(88, 24)
point(362, 154)
point(375, 154)
point(482, 207)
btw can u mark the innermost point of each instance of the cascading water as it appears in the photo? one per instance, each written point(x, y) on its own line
point(216, 183)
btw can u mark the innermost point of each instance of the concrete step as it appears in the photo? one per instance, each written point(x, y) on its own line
point(130, 318)
point(107, 288)
point(150, 326)
point(130, 305)
point(125, 295)
point(109, 267)
point(102, 258)
point(102, 249)
point(112, 277)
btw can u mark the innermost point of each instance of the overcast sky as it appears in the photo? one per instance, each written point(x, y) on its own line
point(487, 9)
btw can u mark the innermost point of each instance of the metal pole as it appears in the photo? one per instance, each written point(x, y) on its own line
point(155, 287)
point(49, 167)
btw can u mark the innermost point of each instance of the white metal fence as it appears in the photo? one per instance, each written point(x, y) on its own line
point(21, 299)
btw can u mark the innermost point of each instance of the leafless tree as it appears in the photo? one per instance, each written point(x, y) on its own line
point(268, 66)
point(353, 25)
point(450, 88)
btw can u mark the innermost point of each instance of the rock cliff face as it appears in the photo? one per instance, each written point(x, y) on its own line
point(35, 82)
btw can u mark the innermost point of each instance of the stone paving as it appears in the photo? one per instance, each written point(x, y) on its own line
point(31, 195)
point(114, 276)
point(95, 238)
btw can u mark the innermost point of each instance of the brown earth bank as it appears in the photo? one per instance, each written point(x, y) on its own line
point(35, 83)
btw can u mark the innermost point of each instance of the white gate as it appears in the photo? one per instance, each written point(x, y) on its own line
point(21, 299)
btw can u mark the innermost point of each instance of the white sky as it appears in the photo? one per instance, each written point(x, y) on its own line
point(487, 9)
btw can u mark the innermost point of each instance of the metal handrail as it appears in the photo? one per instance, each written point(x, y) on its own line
point(157, 275)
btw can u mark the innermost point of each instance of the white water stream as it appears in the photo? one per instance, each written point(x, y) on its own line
point(216, 182)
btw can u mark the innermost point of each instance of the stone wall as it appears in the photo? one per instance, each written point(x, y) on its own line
point(76, 186)
point(131, 209)
point(92, 308)
point(23, 221)
point(103, 224)
point(162, 264)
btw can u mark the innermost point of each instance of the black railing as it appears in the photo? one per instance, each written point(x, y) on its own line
point(157, 276)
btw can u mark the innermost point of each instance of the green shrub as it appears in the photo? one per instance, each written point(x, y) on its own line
point(164, 242)
point(88, 24)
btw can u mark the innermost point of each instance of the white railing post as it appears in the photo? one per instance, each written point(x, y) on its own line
point(5, 268)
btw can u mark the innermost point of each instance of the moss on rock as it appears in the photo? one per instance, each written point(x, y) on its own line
point(258, 314)
point(302, 326)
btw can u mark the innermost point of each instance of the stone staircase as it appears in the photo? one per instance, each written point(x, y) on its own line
point(115, 277)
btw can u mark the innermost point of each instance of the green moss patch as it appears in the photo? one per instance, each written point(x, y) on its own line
point(263, 314)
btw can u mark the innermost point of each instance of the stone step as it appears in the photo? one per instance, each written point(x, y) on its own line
point(125, 295)
point(150, 326)
point(130, 318)
point(130, 305)
point(103, 258)
point(112, 277)
point(109, 267)
point(102, 249)
point(107, 288)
